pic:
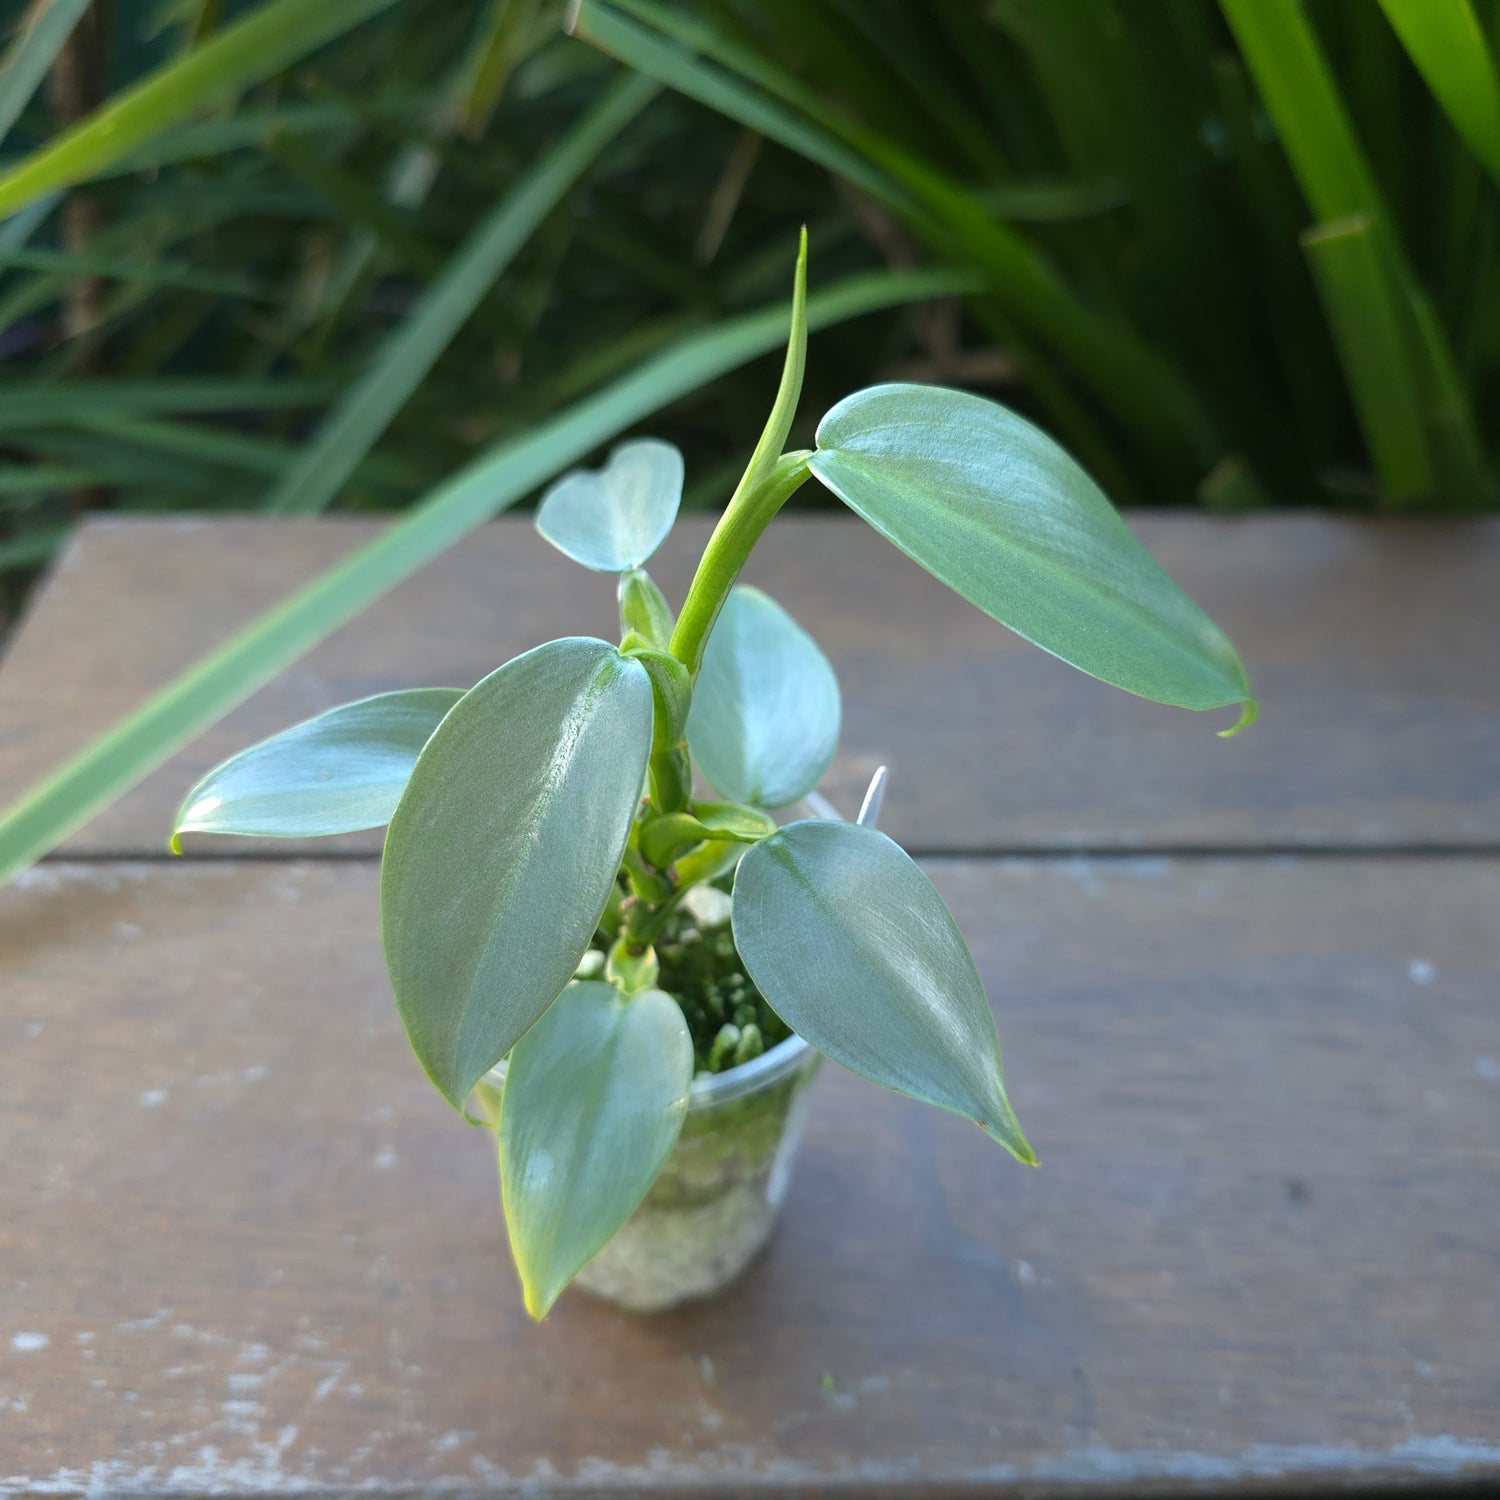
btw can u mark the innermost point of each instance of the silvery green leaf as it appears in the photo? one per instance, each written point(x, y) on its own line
point(594, 1099)
point(854, 949)
point(998, 511)
point(765, 717)
point(504, 848)
point(613, 519)
point(339, 772)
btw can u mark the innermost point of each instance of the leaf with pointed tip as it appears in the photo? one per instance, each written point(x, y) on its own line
point(504, 848)
point(1001, 514)
point(339, 772)
point(594, 1099)
point(765, 717)
point(613, 519)
point(852, 946)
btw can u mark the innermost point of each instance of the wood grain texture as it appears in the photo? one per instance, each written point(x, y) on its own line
point(1367, 642)
point(248, 1249)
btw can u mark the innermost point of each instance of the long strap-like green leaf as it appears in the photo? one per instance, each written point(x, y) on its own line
point(1446, 42)
point(1359, 299)
point(261, 45)
point(1282, 52)
point(44, 29)
point(342, 442)
point(1124, 374)
point(42, 403)
point(228, 675)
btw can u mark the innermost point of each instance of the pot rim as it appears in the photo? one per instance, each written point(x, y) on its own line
point(710, 1089)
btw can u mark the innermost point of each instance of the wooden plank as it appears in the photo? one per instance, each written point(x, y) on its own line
point(247, 1248)
point(1378, 730)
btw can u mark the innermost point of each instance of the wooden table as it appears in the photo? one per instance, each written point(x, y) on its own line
point(1249, 993)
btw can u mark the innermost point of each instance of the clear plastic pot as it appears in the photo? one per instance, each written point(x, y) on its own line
point(714, 1203)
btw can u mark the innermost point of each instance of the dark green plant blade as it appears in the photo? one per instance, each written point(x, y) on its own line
point(1293, 77)
point(1448, 46)
point(260, 45)
point(854, 949)
point(1369, 330)
point(339, 772)
point(50, 811)
point(613, 519)
point(595, 1095)
point(399, 368)
point(678, 68)
point(152, 273)
point(504, 848)
point(34, 548)
point(1334, 172)
point(28, 405)
point(1122, 370)
point(44, 30)
point(764, 722)
point(501, 41)
point(998, 511)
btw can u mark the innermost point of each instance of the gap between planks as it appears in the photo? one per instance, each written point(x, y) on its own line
point(1042, 853)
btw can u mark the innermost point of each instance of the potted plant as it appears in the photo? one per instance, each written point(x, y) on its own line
point(633, 984)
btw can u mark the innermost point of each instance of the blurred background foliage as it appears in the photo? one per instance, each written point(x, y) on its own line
point(1234, 255)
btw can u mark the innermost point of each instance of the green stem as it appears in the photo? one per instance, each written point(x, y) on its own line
point(661, 838)
point(651, 928)
point(739, 529)
point(648, 888)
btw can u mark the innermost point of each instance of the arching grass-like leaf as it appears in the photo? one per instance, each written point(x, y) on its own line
point(504, 847)
point(367, 409)
point(613, 519)
point(765, 717)
point(594, 1099)
point(1446, 41)
point(108, 766)
point(339, 772)
point(1370, 331)
point(854, 949)
point(997, 510)
point(255, 47)
point(43, 31)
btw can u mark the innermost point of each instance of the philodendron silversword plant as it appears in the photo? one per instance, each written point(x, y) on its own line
point(553, 894)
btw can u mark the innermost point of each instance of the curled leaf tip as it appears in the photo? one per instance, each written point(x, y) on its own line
point(1249, 713)
point(175, 843)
